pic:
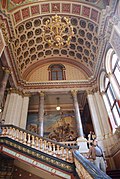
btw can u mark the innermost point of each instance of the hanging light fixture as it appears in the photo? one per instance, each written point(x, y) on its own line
point(58, 31)
point(0, 109)
point(58, 104)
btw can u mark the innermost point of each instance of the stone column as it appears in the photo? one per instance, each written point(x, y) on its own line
point(103, 114)
point(105, 125)
point(95, 115)
point(13, 107)
point(24, 111)
point(10, 108)
point(17, 107)
point(41, 114)
point(5, 107)
point(4, 83)
point(77, 114)
point(81, 141)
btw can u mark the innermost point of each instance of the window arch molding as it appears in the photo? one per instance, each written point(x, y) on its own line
point(108, 59)
point(57, 72)
point(102, 85)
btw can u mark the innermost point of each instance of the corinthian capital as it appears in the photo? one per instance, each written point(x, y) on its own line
point(6, 69)
point(74, 92)
point(42, 93)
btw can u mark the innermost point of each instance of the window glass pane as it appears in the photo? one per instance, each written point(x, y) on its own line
point(114, 60)
point(110, 97)
point(112, 92)
point(56, 72)
point(53, 75)
point(60, 75)
point(117, 74)
point(116, 115)
point(106, 82)
point(119, 63)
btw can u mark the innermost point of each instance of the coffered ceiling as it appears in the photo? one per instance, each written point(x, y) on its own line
point(24, 21)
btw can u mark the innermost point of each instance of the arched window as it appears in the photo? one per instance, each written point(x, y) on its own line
point(116, 68)
point(110, 85)
point(113, 104)
point(56, 72)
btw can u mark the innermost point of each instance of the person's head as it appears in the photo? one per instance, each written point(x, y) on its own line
point(95, 142)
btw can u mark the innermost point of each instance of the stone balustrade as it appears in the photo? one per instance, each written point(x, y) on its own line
point(45, 145)
point(69, 143)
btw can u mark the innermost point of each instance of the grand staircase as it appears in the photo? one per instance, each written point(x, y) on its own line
point(50, 159)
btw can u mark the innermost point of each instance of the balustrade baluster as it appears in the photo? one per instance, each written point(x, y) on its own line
point(62, 154)
point(33, 141)
point(45, 145)
point(17, 134)
point(58, 150)
point(21, 136)
point(28, 141)
point(3, 131)
point(67, 154)
point(7, 131)
point(13, 133)
point(10, 132)
point(24, 138)
point(36, 142)
point(49, 147)
point(41, 144)
point(71, 155)
point(53, 148)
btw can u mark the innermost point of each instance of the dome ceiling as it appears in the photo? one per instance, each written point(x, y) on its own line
point(28, 47)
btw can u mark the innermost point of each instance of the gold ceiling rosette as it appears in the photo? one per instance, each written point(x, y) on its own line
point(58, 31)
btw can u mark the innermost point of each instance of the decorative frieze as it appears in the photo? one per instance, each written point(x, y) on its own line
point(36, 163)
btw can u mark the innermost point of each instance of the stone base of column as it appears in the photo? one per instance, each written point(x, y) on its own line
point(82, 143)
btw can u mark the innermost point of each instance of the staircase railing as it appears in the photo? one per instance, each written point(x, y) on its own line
point(87, 169)
point(45, 145)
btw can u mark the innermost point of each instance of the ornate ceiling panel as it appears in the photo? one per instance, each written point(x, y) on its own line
point(27, 46)
point(30, 47)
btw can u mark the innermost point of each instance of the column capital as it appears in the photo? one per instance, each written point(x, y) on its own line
point(102, 92)
point(26, 94)
point(6, 70)
point(74, 92)
point(90, 91)
point(109, 74)
point(15, 90)
point(95, 89)
point(42, 93)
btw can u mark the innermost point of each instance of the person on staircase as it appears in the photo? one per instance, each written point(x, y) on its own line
point(96, 153)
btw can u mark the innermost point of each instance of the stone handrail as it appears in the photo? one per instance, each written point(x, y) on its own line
point(87, 169)
point(69, 143)
point(40, 143)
